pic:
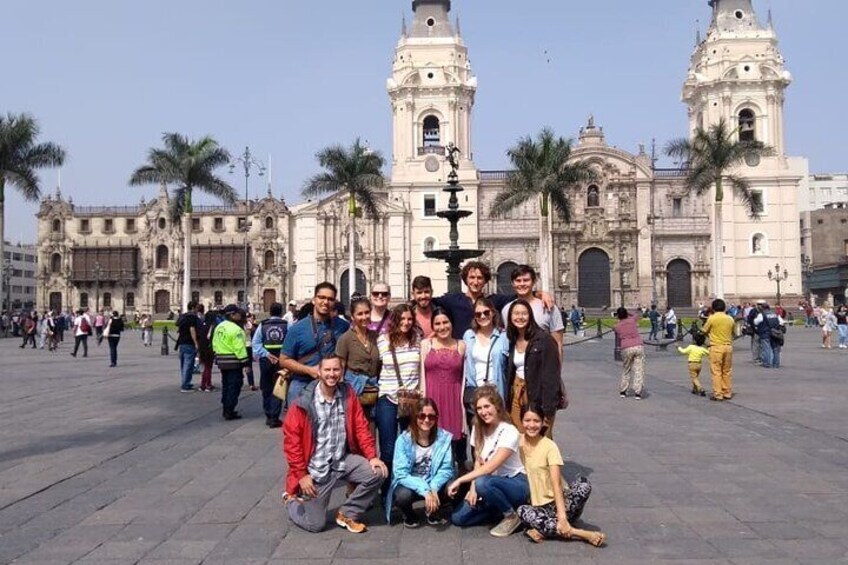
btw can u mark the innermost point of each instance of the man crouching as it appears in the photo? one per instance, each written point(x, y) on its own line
point(326, 441)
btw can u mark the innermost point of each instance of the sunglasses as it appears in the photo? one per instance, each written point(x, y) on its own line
point(427, 417)
point(483, 314)
point(380, 294)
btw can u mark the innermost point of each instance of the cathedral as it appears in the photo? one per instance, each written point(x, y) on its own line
point(637, 236)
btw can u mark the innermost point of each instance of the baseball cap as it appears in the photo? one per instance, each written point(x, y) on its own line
point(231, 309)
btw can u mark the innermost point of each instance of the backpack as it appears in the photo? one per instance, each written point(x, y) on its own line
point(85, 327)
point(777, 333)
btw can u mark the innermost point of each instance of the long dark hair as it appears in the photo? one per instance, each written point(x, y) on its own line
point(395, 335)
point(414, 430)
point(532, 327)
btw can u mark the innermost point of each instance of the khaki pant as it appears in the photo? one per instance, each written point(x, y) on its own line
point(721, 369)
point(634, 362)
point(519, 400)
point(695, 374)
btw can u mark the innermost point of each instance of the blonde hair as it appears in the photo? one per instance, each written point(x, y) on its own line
point(490, 393)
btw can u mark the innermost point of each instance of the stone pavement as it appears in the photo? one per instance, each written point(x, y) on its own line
point(101, 465)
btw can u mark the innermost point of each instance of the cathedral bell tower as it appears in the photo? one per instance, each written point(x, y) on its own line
point(737, 73)
point(432, 93)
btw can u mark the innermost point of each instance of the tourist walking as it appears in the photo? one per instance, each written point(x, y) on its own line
point(654, 317)
point(842, 325)
point(576, 319)
point(231, 356)
point(146, 330)
point(756, 351)
point(422, 468)
point(533, 366)
point(719, 329)
point(670, 323)
point(632, 354)
point(498, 484)
point(99, 324)
point(695, 353)
point(327, 442)
point(552, 509)
point(82, 329)
point(357, 349)
point(442, 362)
point(205, 326)
point(267, 344)
point(30, 329)
point(400, 357)
point(828, 323)
point(112, 332)
point(249, 330)
point(187, 345)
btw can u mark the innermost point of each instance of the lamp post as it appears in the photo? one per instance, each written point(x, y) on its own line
point(97, 272)
point(248, 163)
point(7, 284)
point(808, 271)
point(778, 277)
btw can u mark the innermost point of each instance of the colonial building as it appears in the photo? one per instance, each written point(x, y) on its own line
point(638, 235)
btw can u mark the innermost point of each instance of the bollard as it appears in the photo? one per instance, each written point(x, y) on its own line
point(600, 330)
point(679, 332)
point(617, 350)
point(165, 348)
point(694, 330)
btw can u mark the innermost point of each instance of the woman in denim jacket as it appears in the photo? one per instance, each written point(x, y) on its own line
point(486, 348)
point(422, 467)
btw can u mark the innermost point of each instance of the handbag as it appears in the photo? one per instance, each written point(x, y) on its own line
point(468, 393)
point(281, 385)
point(407, 399)
point(369, 395)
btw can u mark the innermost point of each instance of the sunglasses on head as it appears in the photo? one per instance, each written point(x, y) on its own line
point(483, 314)
point(428, 417)
point(379, 294)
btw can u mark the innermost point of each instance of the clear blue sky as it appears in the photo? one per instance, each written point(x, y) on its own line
point(106, 78)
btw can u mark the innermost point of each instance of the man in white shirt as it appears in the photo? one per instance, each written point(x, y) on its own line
point(82, 329)
point(290, 316)
point(550, 320)
point(670, 323)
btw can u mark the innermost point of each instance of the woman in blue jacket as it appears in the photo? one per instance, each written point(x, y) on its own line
point(422, 467)
point(486, 348)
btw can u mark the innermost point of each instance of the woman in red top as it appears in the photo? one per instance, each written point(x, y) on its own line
point(627, 332)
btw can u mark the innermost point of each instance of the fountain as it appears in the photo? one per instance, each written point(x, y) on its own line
point(453, 255)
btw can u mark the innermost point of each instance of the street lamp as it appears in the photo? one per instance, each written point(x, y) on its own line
point(97, 272)
point(248, 163)
point(778, 277)
point(7, 282)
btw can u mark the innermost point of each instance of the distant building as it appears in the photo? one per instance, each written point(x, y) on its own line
point(828, 280)
point(817, 192)
point(23, 267)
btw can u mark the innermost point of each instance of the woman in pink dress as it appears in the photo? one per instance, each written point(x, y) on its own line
point(442, 361)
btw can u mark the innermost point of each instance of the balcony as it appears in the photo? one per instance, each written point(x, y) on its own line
point(431, 150)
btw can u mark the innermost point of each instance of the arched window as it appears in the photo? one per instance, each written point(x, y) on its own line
point(432, 132)
point(747, 123)
point(270, 260)
point(593, 199)
point(83, 300)
point(162, 257)
point(269, 223)
point(129, 302)
point(57, 225)
point(219, 298)
point(759, 244)
point(163, 223)
point(55, 263)
point(107, 299)
point(195, 296)
point(430, 244)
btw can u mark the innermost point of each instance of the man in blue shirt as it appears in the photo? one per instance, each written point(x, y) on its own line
point(311, 339)
point(267, 344)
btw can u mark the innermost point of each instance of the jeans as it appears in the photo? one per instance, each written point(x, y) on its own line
point(776, 355)
point(843, 334)
point(669, 331)
point(655, 329)
point(497, 496)
point(147, 336)
point(231, 383)
point(267, 378)
point(576, 326)
point(296, 385)
point(357, 381)
point(404, 498)
point(766, 352)
point(387, 422)
point(81, 339)
point(755, 349)
point(187, 354)
point(113, 349)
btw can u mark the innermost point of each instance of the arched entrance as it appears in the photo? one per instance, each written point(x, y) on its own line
point(593, 279)
point(679, 284)
point(269, 296)
point(56, 301)
point(505, 278)
point(162, 302)
point(344, 292)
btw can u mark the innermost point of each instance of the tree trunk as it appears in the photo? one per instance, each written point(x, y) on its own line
point(187, 251)
point(544, 247)
point(718, 243)
point(3, 246)
point(351, 244)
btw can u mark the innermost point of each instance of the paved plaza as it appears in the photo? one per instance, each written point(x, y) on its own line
point(101, 465)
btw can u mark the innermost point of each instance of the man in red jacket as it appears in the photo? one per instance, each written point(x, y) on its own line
point(326, 441)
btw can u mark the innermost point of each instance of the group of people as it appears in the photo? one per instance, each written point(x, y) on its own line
point(831, 321)
point(390, 401)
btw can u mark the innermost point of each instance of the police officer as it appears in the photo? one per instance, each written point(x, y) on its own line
point(231, 355)
point(267, 343)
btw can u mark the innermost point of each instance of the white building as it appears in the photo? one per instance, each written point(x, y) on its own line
point(22, 269)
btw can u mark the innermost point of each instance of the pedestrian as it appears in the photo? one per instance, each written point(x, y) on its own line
point(842, 325)
point(828, 323)
point(498, 484)
point(60, 324)
point(82, 329)
point(400, 356)
point(310, 339)
point(48, 331)
point(670, 323)
point(632, 353)
point(99, 324)
point(442, 363)
point(187, 345)
point(291, 313)
point(719, 330)
point(206, 325)
point(267, 343)
point(327, 442)
point(756, 351)
point(357, 349)
point(552, 509)
point(112, 333)
point(768, 324)
point(654, 317)
point(575, 318)
point(30, 328)
point(146, 330)
point(422, 468)
point(249, 330)
point(533, 366)
point(231, 355)
point(695, 353)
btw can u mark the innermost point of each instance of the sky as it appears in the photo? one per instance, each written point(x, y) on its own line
point(107, 78)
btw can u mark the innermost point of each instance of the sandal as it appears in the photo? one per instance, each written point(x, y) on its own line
point(599, 539)
point(534, 535)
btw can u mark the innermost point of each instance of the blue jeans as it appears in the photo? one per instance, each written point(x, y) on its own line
point(357, 381)
point(775, 355)
point(187, 355)
point(766, 352)
point(499, 496)
point(113, 349)
point(655, 328)
point(669, 331)
point(296, 385)
point(387, 422)
point(843, 334)
point(267, 379)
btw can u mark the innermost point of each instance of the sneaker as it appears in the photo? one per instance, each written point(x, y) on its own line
point(350, 524)
point(192, 389)
point(506, 527)
point(703, 392)
point(436, 521)
point(638, 396)
point(623, 394)
point(413, 523)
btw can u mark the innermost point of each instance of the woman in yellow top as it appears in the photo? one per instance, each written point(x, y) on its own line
point(550, 512)
point(696, 353)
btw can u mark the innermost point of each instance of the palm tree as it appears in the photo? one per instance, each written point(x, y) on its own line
point(190, 165)
point(541, 169)
point(710, 157)
point(20, 157)
point(357, 171)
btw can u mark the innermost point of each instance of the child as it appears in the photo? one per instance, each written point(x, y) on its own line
point(696, 352)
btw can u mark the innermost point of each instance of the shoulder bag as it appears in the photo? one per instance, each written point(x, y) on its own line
point(468, 392)
point(407, 398)
point(281, 385)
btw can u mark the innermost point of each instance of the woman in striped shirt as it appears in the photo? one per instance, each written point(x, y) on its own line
point(400, 352)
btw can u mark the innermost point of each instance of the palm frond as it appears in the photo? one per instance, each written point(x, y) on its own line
point(25, 180)
point(751, 199)
point(561, 205)
point(21, 156)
